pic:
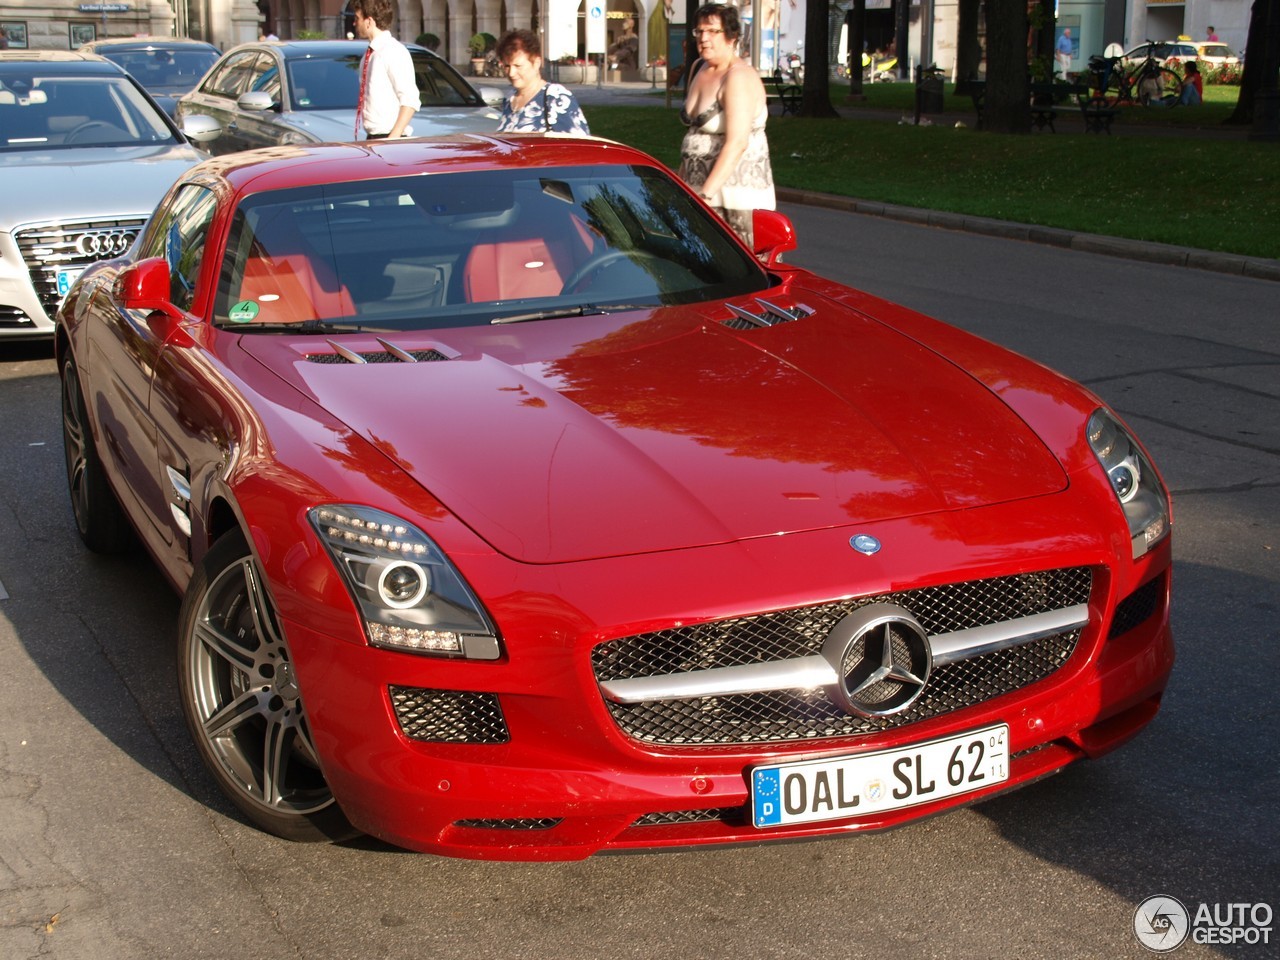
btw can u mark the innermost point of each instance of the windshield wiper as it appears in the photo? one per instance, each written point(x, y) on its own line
point(546, 314)
point(586, 310)
point(306, 326)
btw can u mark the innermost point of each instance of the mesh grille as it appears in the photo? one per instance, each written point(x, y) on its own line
point(783, 715)
point(667, 818)
point(512, 823)
point(1137, 607)
point(449, 716)
point(48, 248)
point(380, 356)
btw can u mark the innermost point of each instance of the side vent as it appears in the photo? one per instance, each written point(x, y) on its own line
point(771, 314)
point(392, 354)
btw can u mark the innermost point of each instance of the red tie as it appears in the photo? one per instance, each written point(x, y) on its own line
point(364, 82)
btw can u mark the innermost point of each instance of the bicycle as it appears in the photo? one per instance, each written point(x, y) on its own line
point(1149, 83)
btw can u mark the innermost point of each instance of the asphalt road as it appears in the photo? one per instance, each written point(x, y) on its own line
point(115, 845)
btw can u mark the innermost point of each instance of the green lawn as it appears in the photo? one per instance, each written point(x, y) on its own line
point(1172, 185)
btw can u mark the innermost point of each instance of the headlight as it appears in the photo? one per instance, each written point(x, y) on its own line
point(1141, 496)
point(409, 594)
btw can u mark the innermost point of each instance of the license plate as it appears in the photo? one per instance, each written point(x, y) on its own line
point(66, 278)
point(813, 790)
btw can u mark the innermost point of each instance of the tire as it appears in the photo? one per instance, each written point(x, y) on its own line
point(1157, 86)
point(100, 519)
point(242, 704)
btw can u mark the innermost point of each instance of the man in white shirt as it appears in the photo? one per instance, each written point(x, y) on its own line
point(388, 91)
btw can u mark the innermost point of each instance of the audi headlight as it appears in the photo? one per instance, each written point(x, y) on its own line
point(1134, 482)
point(409, 594)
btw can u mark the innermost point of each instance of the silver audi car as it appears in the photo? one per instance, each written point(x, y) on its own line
point(85, 155)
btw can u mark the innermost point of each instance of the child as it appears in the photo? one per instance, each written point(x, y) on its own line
point(1192, 86)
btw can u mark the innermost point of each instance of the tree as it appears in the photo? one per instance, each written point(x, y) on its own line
point(1257, 100)
point(855, 21)
point(968, 47)
point(1008, 103)
point(816, 99)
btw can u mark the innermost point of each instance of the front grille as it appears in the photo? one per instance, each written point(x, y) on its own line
point(48, 248)
point(1137, 607)
point(512, 823)
point(449, 716)
point(785, 715)
point(667, 818)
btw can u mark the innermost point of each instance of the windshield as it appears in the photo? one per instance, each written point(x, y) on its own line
point(76, 111)
point(473, 248)
point(333, 83)
point(165, 71)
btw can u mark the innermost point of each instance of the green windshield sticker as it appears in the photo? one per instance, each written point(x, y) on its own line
point(246, 311)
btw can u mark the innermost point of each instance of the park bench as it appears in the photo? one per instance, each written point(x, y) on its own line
point(1048, 98)
point(787, 95)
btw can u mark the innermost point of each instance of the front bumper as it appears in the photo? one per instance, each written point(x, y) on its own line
point(556, 778)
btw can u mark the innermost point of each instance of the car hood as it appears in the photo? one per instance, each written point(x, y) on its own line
point(337, 126)
point(60, 184)
point(662, 434)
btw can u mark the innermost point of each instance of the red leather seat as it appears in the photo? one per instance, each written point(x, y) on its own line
point(511, 270)
point(288, 282)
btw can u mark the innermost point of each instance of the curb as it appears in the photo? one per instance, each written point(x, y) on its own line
point(1258, 268)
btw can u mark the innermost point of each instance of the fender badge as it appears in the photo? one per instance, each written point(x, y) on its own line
point(865, 544)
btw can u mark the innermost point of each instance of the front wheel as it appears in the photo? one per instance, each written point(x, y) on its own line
point(100, 519)
point(242, 703)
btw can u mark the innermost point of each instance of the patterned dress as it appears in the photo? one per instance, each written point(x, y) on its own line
point(750, 186)
point(553, 109)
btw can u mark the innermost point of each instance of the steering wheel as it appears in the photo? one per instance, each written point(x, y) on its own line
point(598, 262)
point(73, 135)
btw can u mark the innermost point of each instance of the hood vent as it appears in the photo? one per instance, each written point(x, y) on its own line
point(392, 354)
point(770, 316)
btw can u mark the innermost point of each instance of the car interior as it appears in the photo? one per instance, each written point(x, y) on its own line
point(467, 248)
point(73, 111)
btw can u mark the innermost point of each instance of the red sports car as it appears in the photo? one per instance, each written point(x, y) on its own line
point(521, 512)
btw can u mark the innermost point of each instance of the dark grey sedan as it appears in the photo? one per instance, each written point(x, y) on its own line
point(304, 91)
point(167, 67)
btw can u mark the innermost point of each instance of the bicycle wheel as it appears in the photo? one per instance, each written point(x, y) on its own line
point(1156, 86)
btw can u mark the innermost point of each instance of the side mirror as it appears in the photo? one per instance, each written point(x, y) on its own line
point(774, 235)
point(256, 100)
point(493, 96)
point(145, 286)
point(200, 129)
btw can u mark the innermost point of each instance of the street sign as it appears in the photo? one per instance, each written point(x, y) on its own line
point(597, 36)
point(103, 8)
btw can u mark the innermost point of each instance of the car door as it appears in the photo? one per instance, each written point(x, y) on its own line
point(262, 128)
point(174, 401)
point(216, 97)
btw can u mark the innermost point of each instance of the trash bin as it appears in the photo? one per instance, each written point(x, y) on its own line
point(928, 90)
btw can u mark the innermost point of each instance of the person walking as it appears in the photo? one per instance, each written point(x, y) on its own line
point(388, 89)
point(1210, 36)
point(534, 105)
point(1063, 51)
point(725, 155)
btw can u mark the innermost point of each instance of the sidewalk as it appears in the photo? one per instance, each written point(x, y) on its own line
point(653, 95)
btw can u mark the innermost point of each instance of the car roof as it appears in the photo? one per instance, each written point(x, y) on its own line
point(276, 168)
point(146, 43)
point(290, 49)
point(52, 62)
